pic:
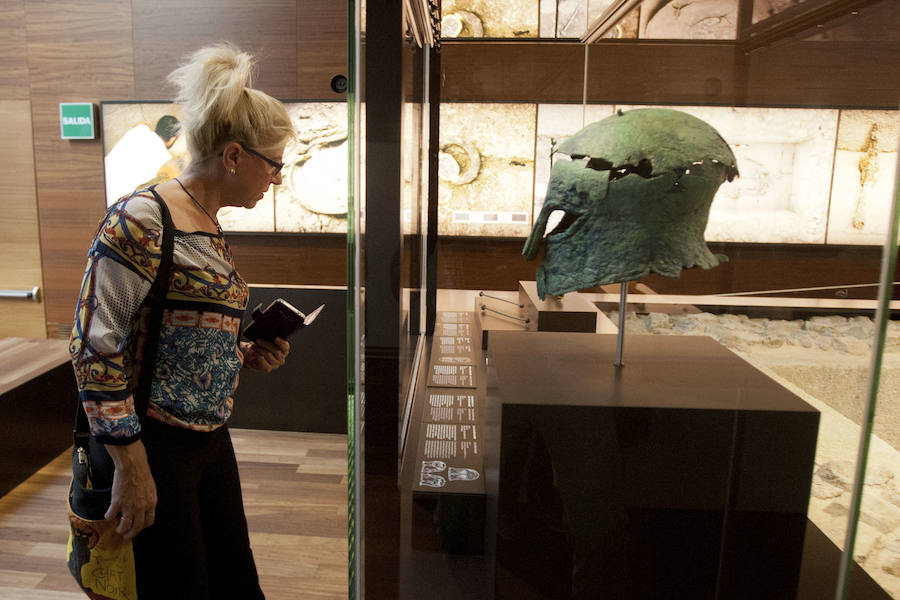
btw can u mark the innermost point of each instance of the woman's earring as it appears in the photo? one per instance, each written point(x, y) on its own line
point(232, 171)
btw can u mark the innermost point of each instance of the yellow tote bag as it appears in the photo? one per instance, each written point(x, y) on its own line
point(101, 563)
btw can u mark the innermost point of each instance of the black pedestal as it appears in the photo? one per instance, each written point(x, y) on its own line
point(684, 474)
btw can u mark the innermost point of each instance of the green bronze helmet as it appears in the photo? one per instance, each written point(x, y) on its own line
point(635, 194)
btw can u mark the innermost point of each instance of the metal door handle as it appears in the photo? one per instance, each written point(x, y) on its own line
point(32, 294)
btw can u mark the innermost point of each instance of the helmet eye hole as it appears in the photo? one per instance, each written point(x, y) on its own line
point(559, 221)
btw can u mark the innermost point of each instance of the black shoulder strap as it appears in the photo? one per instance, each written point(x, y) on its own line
point(155, 300)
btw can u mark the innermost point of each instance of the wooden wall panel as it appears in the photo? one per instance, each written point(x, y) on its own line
point(841, 74)
point(650, 72)
point(291, 260)
point(166, 31)
point(845, 74)
point(78, 51)
point(20, 251)
point(322, 34)
point(661, 73)
point(758, 267)
point(483, 263)
point(511, 71)
point(13, 55)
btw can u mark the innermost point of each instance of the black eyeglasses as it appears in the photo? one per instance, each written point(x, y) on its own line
point(277, 166)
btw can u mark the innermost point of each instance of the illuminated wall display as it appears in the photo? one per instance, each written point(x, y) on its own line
point(569, 18)
point(414, 169)
point(313, 196)
point(696, 20)
point(793, 186)
point(807, 175)
point(650, 19)
point(488, 18)
point(141, 147)
point(784, 156)
point(486, 165)
point(865, 166)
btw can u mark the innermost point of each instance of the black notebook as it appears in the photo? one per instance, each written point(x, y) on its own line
point(279, 319)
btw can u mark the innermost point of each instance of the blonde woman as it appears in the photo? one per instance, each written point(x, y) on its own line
point(176, 492)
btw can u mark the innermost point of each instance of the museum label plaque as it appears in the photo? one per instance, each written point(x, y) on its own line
point(452, 376)
point(449, 458)
point(449, 406)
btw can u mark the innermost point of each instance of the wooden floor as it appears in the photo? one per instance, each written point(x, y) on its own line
point(295, 496)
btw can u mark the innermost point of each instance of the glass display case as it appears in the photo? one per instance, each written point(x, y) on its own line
point(728, 433)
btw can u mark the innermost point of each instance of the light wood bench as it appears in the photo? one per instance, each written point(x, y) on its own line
point(23, 359)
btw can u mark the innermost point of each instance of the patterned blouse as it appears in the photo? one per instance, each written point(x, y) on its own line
point(198, 357)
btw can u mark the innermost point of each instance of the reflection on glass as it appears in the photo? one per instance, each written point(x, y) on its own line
point(549, 494)
point(652, 19)
point(825, 361)
point(763, 9)
point(489, 18)
point(411, 169)
point(141, 145)
point(355, 302)
point(569, 18)
point(696, 20)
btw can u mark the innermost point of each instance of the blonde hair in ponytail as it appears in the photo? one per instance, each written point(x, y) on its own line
point(219, 106)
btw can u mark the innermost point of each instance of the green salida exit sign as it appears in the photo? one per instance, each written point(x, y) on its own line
point(76, 120)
